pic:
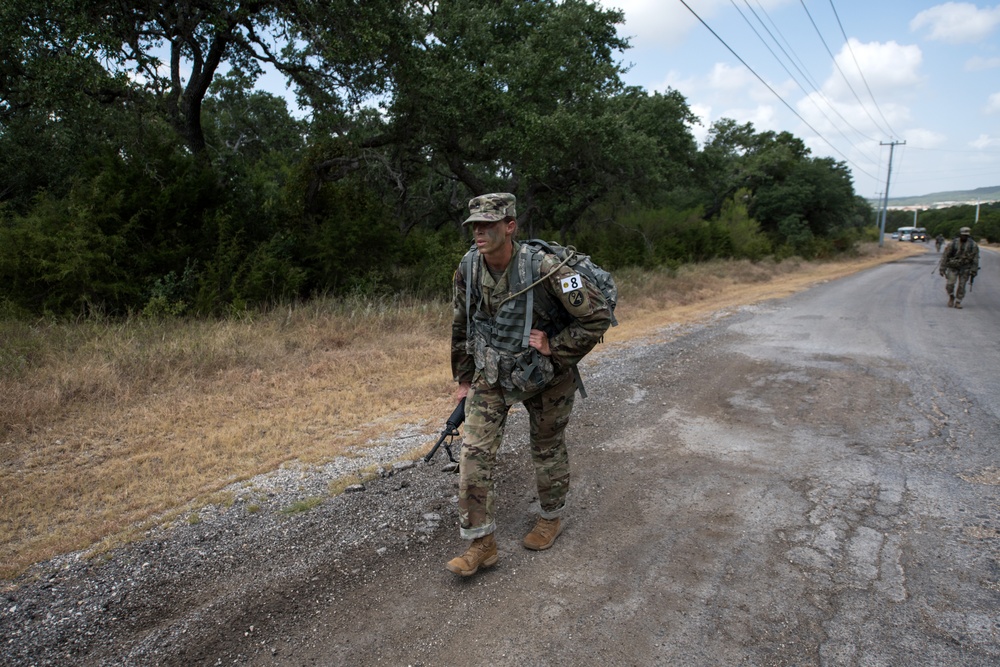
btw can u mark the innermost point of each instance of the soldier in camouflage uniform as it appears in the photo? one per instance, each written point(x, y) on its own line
point(500, 356)
point(959, 263)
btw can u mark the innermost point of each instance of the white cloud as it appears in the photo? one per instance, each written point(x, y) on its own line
point(924, 138)
point(704, 114)
point(728, 82)
point(722, 81)
point(891, 72)
point(723, 87)
point(762, 116)
point(978, 63)
point(985, 141)
point(650, 22)
point(718, 89)
point(725, 78)
point(828, 116)
point(993, 103)
point(674, 80)
point(957, 22)
point(888, 67)
point(658, 23)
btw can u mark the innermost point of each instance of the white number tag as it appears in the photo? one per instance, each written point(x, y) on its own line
point(571, 283)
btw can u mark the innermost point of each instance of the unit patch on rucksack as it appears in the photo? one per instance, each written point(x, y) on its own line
point(600, 277)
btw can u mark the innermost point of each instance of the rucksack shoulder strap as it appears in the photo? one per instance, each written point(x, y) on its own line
point(469, 268)
point(523, 272)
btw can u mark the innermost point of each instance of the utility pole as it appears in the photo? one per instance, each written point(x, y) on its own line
point(881, 228)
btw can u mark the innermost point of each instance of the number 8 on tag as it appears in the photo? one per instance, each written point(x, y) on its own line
point(571, 283)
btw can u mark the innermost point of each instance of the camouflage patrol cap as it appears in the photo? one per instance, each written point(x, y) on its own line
point(964, 231)
point(491, 207)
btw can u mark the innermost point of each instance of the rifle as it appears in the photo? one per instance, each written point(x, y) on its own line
point(450, 430)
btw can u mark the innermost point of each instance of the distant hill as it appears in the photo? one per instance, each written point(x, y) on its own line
point(954, 197)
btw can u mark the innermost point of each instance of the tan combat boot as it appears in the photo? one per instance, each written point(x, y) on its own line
point(958, 304)
point(481, 553)
point(543, 534)
point(951, 301)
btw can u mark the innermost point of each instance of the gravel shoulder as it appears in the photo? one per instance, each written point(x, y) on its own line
point(243, 580)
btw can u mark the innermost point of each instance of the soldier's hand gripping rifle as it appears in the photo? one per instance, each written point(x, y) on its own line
point(450, 431)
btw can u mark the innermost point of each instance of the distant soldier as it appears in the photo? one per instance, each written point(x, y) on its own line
point(939, 241)
point(959, 264)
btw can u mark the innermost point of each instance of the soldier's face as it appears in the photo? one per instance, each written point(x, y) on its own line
point(490, 236)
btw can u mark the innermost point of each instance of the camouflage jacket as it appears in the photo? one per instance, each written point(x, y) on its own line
point(961, 256)
point(575, 320)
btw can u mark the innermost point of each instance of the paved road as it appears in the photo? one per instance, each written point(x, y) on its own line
point(809, 481)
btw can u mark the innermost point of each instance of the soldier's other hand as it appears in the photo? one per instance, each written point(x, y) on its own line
point(539, 340)
point(941, 273)
point(462, 391)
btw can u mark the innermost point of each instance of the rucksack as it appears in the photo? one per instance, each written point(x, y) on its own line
point(594, 273)
point(530, 278)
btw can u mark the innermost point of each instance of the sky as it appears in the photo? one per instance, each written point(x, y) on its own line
point(913, 71)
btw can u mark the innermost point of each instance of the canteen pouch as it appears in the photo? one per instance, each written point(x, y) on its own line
point(531, 371)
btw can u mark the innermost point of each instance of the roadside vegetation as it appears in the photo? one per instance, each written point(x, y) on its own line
point(128, 189)
point(110, 423)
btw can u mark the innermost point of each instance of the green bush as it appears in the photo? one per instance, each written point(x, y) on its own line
point(57, 259)
point(428, 261)
point(746, 241)
point(170, 295)
point(245, 272)
point(797, 235)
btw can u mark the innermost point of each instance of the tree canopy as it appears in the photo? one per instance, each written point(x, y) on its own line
point(142, 170)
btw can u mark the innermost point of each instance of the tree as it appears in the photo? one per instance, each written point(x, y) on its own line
point(510, 95)
point(664, 151)
point(246, 127)
point(336, 51)
point(719, 166)
point(141, 171)
point(794, 197)
point(58, 106)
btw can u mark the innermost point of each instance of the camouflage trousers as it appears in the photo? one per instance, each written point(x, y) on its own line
point(485, 418)
point(959, 276)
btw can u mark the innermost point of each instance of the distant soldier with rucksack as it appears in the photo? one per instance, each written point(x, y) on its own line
point(959, 263)
point(938, 242)
point(524, 317)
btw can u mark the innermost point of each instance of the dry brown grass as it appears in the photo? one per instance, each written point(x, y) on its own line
point(103, 426)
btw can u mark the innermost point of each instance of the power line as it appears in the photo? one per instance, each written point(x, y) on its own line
point(856, 64)
point(774, 92)
point(801, 87)
point(837, 65)
point(805, 76)
point(774, 25)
